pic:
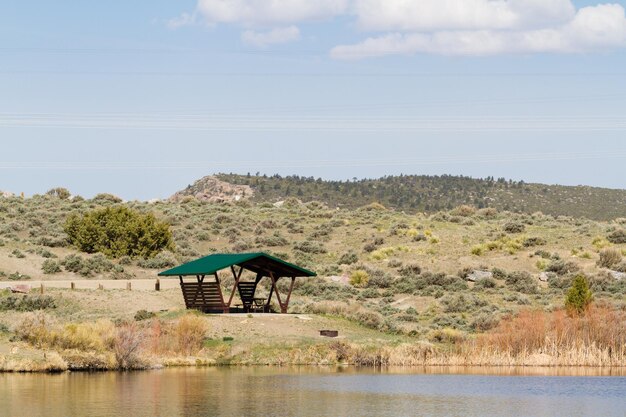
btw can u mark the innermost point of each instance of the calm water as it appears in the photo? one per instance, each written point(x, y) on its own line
point(314, 392)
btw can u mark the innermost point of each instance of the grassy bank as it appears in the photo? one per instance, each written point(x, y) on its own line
point(43, 342)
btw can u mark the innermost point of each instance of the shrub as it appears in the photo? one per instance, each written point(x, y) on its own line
point(308, 246)
point(579, 296)
point(26, 303)
point(521, 281)
point(59, 192)
point(617, 236)
point(97, 264)
point(486, 283)
point(18, 254)
point(609, 258)
point(514, 227)
point(144, 315)
point(50, 267)
point(464, 211)
point(359, 278)
point(190, 331)
point(457, 303)
point(119, 231)
point(478, 250)
point(561, 267)
point(410, 270)
point(128, 339)
point(533, 241)
point(499, 273)
point(483, 322)
point(16, 276)
point(162, 260)
point(348, 258)
point(104, 198)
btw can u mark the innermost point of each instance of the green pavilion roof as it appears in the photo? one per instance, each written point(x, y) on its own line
point(258, 262)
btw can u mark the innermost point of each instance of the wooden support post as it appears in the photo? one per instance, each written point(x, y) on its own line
point(41, 288)
point(283, 307)
point(157, 285)
point(72, 286)
point(128, 286)
point(293, 281)
point(219, 291)
point(100, 287)
point(237, 277)
point(199, 290)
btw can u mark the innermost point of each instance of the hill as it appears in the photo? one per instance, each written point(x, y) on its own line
point(443, 279)
point(429, 194)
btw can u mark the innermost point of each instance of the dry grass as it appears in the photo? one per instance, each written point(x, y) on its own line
point(533, 337)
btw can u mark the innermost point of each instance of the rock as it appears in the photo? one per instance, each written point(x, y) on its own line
point(21, 289)
point(214, 190)
point(544, 276)
point(6, 194)
point(478, 275)
point(340, 279)
point(618, 275)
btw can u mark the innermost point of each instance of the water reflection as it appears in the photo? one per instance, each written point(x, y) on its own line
point(319, 391)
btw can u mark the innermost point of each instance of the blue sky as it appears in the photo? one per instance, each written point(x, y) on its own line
point(141, 98)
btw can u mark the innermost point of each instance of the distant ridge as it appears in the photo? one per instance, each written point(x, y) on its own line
point(413, 193)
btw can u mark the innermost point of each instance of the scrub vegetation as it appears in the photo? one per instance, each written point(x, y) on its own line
point(467, 284)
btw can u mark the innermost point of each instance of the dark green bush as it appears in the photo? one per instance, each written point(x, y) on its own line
point(119, 231)
point(579, 295)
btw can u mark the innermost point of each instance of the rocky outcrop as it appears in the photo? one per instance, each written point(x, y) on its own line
point(214, 190)
point(478, 275)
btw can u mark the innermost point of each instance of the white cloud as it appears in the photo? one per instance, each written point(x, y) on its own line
point(447, 27)
point(428, 15)
point(270, 12)
point(185, 19)
point(592, 28)
point(274, 36)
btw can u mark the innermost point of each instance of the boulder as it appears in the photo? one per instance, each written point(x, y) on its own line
point(20, 289)
point(618, 275)
point(478, 275)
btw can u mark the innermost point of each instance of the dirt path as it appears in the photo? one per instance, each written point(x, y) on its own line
point(89, 284)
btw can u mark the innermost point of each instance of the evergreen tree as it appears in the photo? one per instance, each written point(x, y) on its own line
point(579, 296)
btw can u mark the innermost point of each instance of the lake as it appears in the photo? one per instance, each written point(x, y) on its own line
point(310, 391)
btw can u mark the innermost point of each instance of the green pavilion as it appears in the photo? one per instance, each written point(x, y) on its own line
point(207, 295)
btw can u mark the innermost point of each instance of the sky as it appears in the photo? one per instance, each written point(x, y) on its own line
point(142, 98)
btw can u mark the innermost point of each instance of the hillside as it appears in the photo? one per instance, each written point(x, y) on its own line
point(440, 279)
point(412, 194)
